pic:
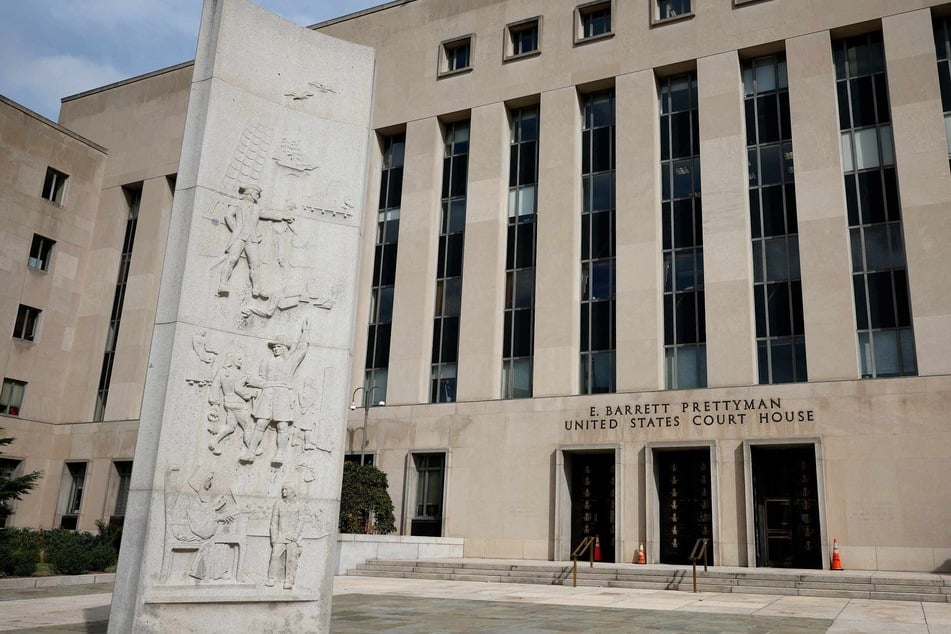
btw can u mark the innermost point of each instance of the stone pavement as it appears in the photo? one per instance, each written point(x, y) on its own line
point(364, 604)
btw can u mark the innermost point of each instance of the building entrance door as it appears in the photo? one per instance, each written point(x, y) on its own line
point(686, 509)
point(786, 507)
point(592, 500)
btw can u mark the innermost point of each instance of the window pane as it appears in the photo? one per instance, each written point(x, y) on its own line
point(876, 248)
point(452, 304)
point(880, 302)
point(776, 260)
point(524, 288)
point(687, 362)
point(847, 164)
point(866, 149)
point(765, 77)
point(887, 353)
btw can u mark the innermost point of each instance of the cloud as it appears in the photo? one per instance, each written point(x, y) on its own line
point(53, 48)
point(176, 15)
point(40, 82)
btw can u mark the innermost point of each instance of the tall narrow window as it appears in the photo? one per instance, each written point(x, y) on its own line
point(41, 250)
point(134, 197)
point(452, 233)
point(879, 276)
point(684, 317)
point(71, 494)
point(384, 264)
point(54, 186)
point(11, 397)
point(519, 316)
point(430, 481)
point(597, 245)
point(26, 324)
point(777, 288)
point(942, 42)
point(124, 474)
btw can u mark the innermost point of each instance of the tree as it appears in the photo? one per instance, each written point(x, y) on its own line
point(365, 504)
point(14, 488)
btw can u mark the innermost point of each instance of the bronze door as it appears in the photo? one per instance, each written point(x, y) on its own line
point(787, 507)
point(686, 508)
point(592, 500)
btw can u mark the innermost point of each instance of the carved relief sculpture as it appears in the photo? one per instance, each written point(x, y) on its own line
point(242, 219)
point(306, 425)
point(200, 366)
point(231, 393)
point(287, 520)
point(205, 518)
point(277, 402)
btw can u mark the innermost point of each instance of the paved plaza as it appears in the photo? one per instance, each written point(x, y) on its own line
point(410, 606)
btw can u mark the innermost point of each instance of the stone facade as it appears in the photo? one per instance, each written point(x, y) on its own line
point(879, 447)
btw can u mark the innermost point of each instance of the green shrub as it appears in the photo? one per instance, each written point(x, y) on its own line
point(19, 551)
point(365, 504)
point(65, 552)
point(73, 553)
point(21, 563)
point(111, 532)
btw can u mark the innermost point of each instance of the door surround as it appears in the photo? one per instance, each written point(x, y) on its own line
point(816, 443)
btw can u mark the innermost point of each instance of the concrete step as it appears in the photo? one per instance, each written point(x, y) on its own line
point(891, 586)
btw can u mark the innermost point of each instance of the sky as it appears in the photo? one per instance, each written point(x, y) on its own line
point(50, 49)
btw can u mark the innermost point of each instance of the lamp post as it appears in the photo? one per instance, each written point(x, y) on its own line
point(367, 394)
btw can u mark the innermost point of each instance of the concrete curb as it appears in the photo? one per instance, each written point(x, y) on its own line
point(20, 583)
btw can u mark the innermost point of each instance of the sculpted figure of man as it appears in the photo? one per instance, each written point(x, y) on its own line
point(242, 220)
point(230, 391)
point(287, 520)
point(277, 402)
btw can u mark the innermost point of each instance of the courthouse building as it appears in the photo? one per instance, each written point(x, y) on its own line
point(646, 270)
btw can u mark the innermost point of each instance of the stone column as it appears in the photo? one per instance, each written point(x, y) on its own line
point(921, 155)
point(827, 302)
point(415, 293)
point(557, 282)
point(640, 309)
point(727, 254)
point(232, 514)
point(483, 281)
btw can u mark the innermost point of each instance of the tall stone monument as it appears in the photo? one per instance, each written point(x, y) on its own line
point(232, 515)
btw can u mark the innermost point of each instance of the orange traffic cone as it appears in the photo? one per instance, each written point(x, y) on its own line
point(836, 560)
point(597, 548)
point(641, 555)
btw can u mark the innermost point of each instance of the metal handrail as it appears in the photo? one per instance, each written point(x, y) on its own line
point(701, 545)
point(586, 543)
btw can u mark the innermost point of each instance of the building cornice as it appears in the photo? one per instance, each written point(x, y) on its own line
point(52, 124)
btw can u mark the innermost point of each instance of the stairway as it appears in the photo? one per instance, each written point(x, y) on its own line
point(893, 586)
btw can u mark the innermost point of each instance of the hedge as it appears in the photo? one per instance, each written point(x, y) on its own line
point(67, 552)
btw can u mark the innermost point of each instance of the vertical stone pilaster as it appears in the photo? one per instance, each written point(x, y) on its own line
point(727, 256)
point(414, 295)
point(135, 337)
point(828, 303)
point(557, 290)
point(640, 308)
point(483, 271)
point(367, 252)
point(921, 155)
